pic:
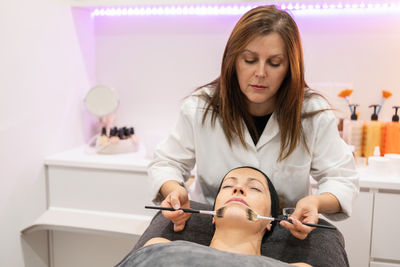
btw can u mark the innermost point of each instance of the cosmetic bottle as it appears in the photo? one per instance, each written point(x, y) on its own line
point(121, 133)
point(378, 166)
point(133, 136)
point(372, 134)
point(114, 139)
point(391, 135)
point(103, 139)
point(353, 131)
point(127, 134)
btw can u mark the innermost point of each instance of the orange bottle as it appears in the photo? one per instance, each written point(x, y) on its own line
point(391, 135)
point(372, 134)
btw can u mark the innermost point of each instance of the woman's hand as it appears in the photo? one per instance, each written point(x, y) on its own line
point(306, 211)
point(177, 198)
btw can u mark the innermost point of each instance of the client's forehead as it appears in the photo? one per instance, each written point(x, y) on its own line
point(246, 173)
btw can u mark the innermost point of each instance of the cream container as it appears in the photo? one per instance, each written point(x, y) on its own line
point(394, 164)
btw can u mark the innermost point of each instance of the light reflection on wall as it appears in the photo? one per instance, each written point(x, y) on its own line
point(300, 8)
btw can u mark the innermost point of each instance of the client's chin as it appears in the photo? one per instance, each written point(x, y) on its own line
point(234, 213)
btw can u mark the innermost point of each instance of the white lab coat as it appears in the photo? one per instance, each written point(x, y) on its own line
point(329, 162)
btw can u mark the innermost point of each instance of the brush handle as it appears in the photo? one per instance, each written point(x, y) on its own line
point(310, 224)
point(209, 212)
point(171, 209)
point(348, 103)
point(320, 225)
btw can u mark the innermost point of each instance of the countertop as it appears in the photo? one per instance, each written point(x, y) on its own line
point(85, 157)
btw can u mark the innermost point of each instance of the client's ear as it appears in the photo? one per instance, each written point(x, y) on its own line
point(213, 220)
point(268, 226)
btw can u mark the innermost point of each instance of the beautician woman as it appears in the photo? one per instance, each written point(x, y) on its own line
point(259, 112)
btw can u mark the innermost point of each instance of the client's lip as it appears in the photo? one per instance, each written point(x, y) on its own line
point(237, 199)
point(257, 86)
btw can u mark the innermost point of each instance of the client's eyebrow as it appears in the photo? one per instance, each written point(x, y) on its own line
point(256, 54)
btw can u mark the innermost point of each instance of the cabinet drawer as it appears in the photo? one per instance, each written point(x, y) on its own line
point(99, 190)
point(386, 230)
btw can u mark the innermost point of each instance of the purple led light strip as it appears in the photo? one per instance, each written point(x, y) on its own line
point(301, 8)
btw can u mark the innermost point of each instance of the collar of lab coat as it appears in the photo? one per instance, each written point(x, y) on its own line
point(270, 131)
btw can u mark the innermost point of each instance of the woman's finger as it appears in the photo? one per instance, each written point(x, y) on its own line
point(297, 229)
point(174, 200)
point(301, 227)
point(172, 215)
point(179, 227)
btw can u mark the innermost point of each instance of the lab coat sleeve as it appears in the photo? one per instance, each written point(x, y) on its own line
point(174, 158)
point(333, 165)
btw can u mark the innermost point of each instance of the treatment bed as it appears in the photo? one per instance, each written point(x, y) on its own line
point(322, 247)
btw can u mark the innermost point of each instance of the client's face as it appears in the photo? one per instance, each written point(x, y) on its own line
point(244, 188)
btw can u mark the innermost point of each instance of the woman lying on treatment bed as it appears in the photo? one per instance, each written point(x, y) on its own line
point(236, 241)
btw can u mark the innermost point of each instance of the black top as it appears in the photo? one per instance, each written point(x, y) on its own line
point(260, 122)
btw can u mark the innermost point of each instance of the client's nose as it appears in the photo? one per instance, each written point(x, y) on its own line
point(239, 190)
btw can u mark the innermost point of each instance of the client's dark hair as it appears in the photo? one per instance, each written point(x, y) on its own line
point(272, 193)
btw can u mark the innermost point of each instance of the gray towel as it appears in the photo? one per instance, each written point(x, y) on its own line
point(323, 247)
point(184, 253)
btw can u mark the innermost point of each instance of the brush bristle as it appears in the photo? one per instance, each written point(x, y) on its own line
point(345, 92)
point(220, 212)
point(251, 215)
point(386, 94)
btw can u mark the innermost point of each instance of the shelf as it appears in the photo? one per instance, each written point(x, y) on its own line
point(80, 157)
point(74, 220)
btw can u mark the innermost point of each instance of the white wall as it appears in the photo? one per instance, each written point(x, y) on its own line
point(43, 78)
point(153, 62)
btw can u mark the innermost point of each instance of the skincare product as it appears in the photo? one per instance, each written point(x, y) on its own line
point(353, 131)
point(103, 139)
point(378, 167)
point(133, 136)
point(372, 134)
point(114, 135)
point(391, 135)
point(127, 133)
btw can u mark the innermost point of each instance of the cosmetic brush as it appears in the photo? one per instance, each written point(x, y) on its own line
point(252, 216)
point(346, 93)
point(385, 95)
point(218, 213)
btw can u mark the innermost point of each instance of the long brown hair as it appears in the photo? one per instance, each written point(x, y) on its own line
point(228, 101)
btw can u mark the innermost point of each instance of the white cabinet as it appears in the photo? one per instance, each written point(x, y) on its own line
point(99, 189)
point(386, 230)
point(95, 209)
point(77, 249)
point(372, 233)
point(357, 230)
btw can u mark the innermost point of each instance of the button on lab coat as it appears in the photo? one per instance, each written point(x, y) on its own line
point(328, 159)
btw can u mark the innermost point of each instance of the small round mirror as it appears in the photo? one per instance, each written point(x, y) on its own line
point(101, 100)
